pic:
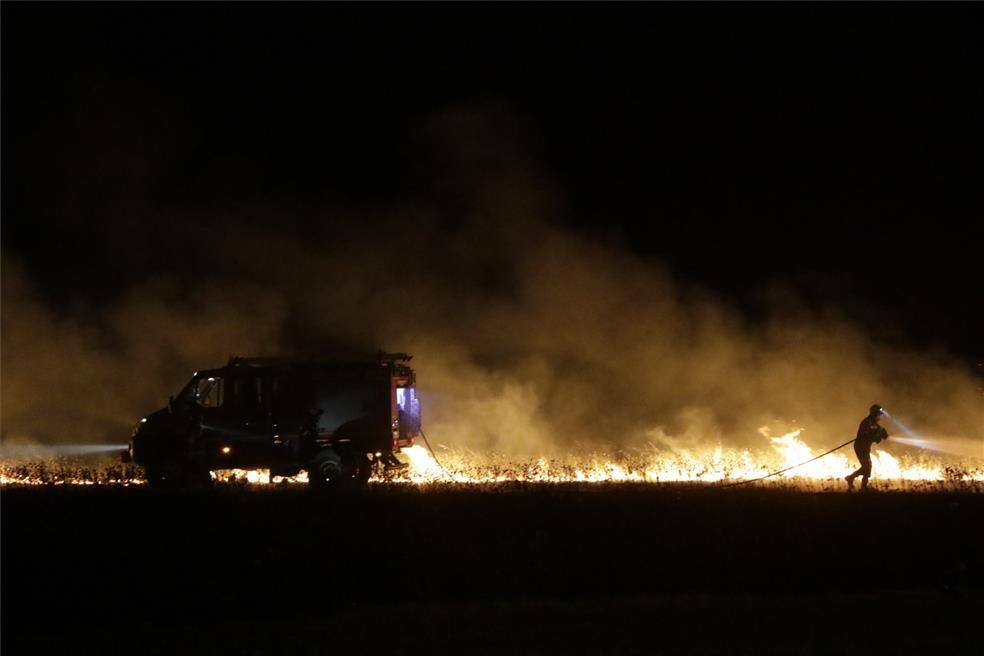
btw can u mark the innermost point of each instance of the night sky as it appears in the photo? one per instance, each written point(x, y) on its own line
point(834, 149)
point(640, 253)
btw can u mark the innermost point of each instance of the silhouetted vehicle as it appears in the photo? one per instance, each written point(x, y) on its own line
point(336, 420)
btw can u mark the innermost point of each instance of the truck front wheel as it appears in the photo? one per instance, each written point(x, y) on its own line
point(154, 475)
point(175, 473)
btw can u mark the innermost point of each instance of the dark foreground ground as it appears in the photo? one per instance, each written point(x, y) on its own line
point(549, 569)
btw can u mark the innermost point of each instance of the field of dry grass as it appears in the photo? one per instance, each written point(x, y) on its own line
point(501, 474)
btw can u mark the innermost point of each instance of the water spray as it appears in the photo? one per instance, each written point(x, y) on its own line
point(957, 446)
point(911, 437)
point(905, 429)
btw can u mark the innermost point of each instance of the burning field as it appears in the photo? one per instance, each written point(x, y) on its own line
point(588, 553)
point(905, 469)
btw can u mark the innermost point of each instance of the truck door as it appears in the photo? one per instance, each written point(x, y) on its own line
point(247, 420)
point(234, 425)
point(208, 413)
point(293, 413)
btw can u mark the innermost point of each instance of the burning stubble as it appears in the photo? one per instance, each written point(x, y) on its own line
point(711, 467)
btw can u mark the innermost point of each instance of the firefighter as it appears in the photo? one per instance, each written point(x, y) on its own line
point(869, 432)
point(406, 429)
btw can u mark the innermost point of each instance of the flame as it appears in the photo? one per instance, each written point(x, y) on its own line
point(255, 477)
point(714, 465)
point(717, 465)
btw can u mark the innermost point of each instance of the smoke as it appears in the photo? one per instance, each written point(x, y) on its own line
point(528, 336)
point(89, 375)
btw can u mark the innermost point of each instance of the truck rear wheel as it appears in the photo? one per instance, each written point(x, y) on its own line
point(363, 470)
point(325, 470)
point(330, 469)
point(154, 475)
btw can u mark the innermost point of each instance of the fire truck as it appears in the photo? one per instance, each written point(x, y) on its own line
point(337, 420)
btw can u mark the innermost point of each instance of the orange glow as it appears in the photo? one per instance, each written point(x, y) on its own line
point(712, 465)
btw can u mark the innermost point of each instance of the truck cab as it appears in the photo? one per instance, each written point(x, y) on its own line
point(337, 420)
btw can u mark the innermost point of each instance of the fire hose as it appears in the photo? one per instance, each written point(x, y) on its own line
point(785, 469)
point(735, 484)
point(433, 455)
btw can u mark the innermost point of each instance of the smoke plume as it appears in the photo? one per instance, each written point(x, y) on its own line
point(528, 336)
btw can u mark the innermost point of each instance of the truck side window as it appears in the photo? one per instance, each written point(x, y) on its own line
point(243, 392)
point(291, 396)
point(208, 394)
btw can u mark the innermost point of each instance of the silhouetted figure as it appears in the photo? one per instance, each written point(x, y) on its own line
point(869, 432)
point(407, 430)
